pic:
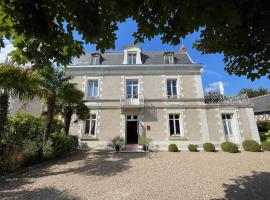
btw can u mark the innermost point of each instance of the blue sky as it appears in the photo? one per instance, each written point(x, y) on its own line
point(213, 63)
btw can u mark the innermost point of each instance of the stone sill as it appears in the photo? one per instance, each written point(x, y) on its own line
point(177, 138)
point(86, 137)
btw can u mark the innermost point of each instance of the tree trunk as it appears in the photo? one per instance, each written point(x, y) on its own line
point(48, 119)
point(67, 119)
point(4, 104)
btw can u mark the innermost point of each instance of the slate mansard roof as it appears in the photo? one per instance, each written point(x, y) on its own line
point(261, 103)
point(148, 58)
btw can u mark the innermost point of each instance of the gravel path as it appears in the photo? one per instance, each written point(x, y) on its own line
point(183, 175)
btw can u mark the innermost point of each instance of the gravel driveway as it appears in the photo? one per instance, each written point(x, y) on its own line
point(183, 175)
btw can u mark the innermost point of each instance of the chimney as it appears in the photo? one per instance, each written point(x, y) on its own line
point(183, 49)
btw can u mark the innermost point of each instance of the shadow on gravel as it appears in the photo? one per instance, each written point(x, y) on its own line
point(38, 194)
point(85, 163)
point(253, 187)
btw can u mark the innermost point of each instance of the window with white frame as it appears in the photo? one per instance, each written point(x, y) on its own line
point(227, 126)
point(90, 125)
point(172, 88)
point(96, 60)
point(92, 90)
point(132, 58)
point(168, 58)
point(132, 89)
point(174, 124)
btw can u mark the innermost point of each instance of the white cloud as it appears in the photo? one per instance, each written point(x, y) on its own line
point(214, 86)
point(5, 51)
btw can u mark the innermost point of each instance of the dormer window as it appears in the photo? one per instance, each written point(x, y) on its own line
point(96, 59)
point(168, 58)
point(132, 58)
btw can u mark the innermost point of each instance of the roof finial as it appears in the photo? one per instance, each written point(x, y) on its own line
point(183, 49)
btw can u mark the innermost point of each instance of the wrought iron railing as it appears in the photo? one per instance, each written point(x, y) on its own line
point(132, 101)
point(241, 99)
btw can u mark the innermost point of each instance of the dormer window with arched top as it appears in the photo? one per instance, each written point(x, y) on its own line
point(95, 59)
point(169, 58)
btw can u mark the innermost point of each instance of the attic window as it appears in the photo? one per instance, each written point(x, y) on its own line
point(168, 58)
point(132, 58)
point(96, 59)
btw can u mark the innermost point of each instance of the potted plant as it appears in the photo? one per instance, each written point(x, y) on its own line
point(118, 142)
point(144, 141)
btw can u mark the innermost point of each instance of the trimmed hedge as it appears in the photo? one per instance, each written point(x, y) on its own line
point(192, 148)
point(173, 148)
point(266, 146)
point(209, 147)
point(251, 145)
point(229, 147)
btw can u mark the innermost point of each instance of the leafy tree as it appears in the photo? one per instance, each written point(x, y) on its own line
point(42, 31)
point(15, 82)
point(71, 102)
point(254, 92)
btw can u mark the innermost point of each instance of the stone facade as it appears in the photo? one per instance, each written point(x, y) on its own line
point(198, 122)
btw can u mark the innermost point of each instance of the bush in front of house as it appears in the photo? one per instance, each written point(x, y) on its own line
point(229, 147)
point(192, 148)
point(173, 148)
point(251, 145)
point(209, 147)
point(266, 145)
point(62, 144)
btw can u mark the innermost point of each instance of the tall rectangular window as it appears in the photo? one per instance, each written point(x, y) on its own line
point(92, 88)
point(90, 125)
point(174, 123)
point(131, 58)
point(171, 88)
point(132, 87)
point(227, 125)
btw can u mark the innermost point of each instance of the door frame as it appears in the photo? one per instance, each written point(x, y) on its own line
point(132, 119)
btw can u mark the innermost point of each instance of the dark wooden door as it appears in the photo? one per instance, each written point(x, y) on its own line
point(132, 132)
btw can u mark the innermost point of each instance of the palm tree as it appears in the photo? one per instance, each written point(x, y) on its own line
point(53, 82)
point(71, 102)
point(15, 82)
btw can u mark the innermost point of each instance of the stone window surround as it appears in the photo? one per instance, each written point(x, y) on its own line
point(235, 123)
point(178, 87)
point(181, 120)
point(86, 87)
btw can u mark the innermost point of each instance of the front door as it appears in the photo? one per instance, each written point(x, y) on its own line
point(132, 129)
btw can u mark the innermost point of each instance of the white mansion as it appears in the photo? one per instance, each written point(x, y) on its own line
point(158, 94)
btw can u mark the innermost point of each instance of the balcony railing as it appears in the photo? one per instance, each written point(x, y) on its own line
point(132, 101)
point(241, 99)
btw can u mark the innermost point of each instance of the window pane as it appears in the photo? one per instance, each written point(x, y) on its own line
point(177, 126)
point(129, 92)
point(176, 116)
point(92, 88)
point(135, 91)
point(86, 131)
point(131, 58)
point(93, 127)
point(129, 117)
point(225, 128)
point(170, 116)
point(171, 127)
point(135, 117)
point(93, 116)
point(223, 116)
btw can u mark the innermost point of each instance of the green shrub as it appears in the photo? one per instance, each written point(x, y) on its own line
point(62, 144)
point(75, 143)
point(30, 150)
point(266, 146)
point(173, 148)
point(48, 151)
point(23, 126)
point(229, 147)
point(209, 147)
point(251, 145)
point(192, 148)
